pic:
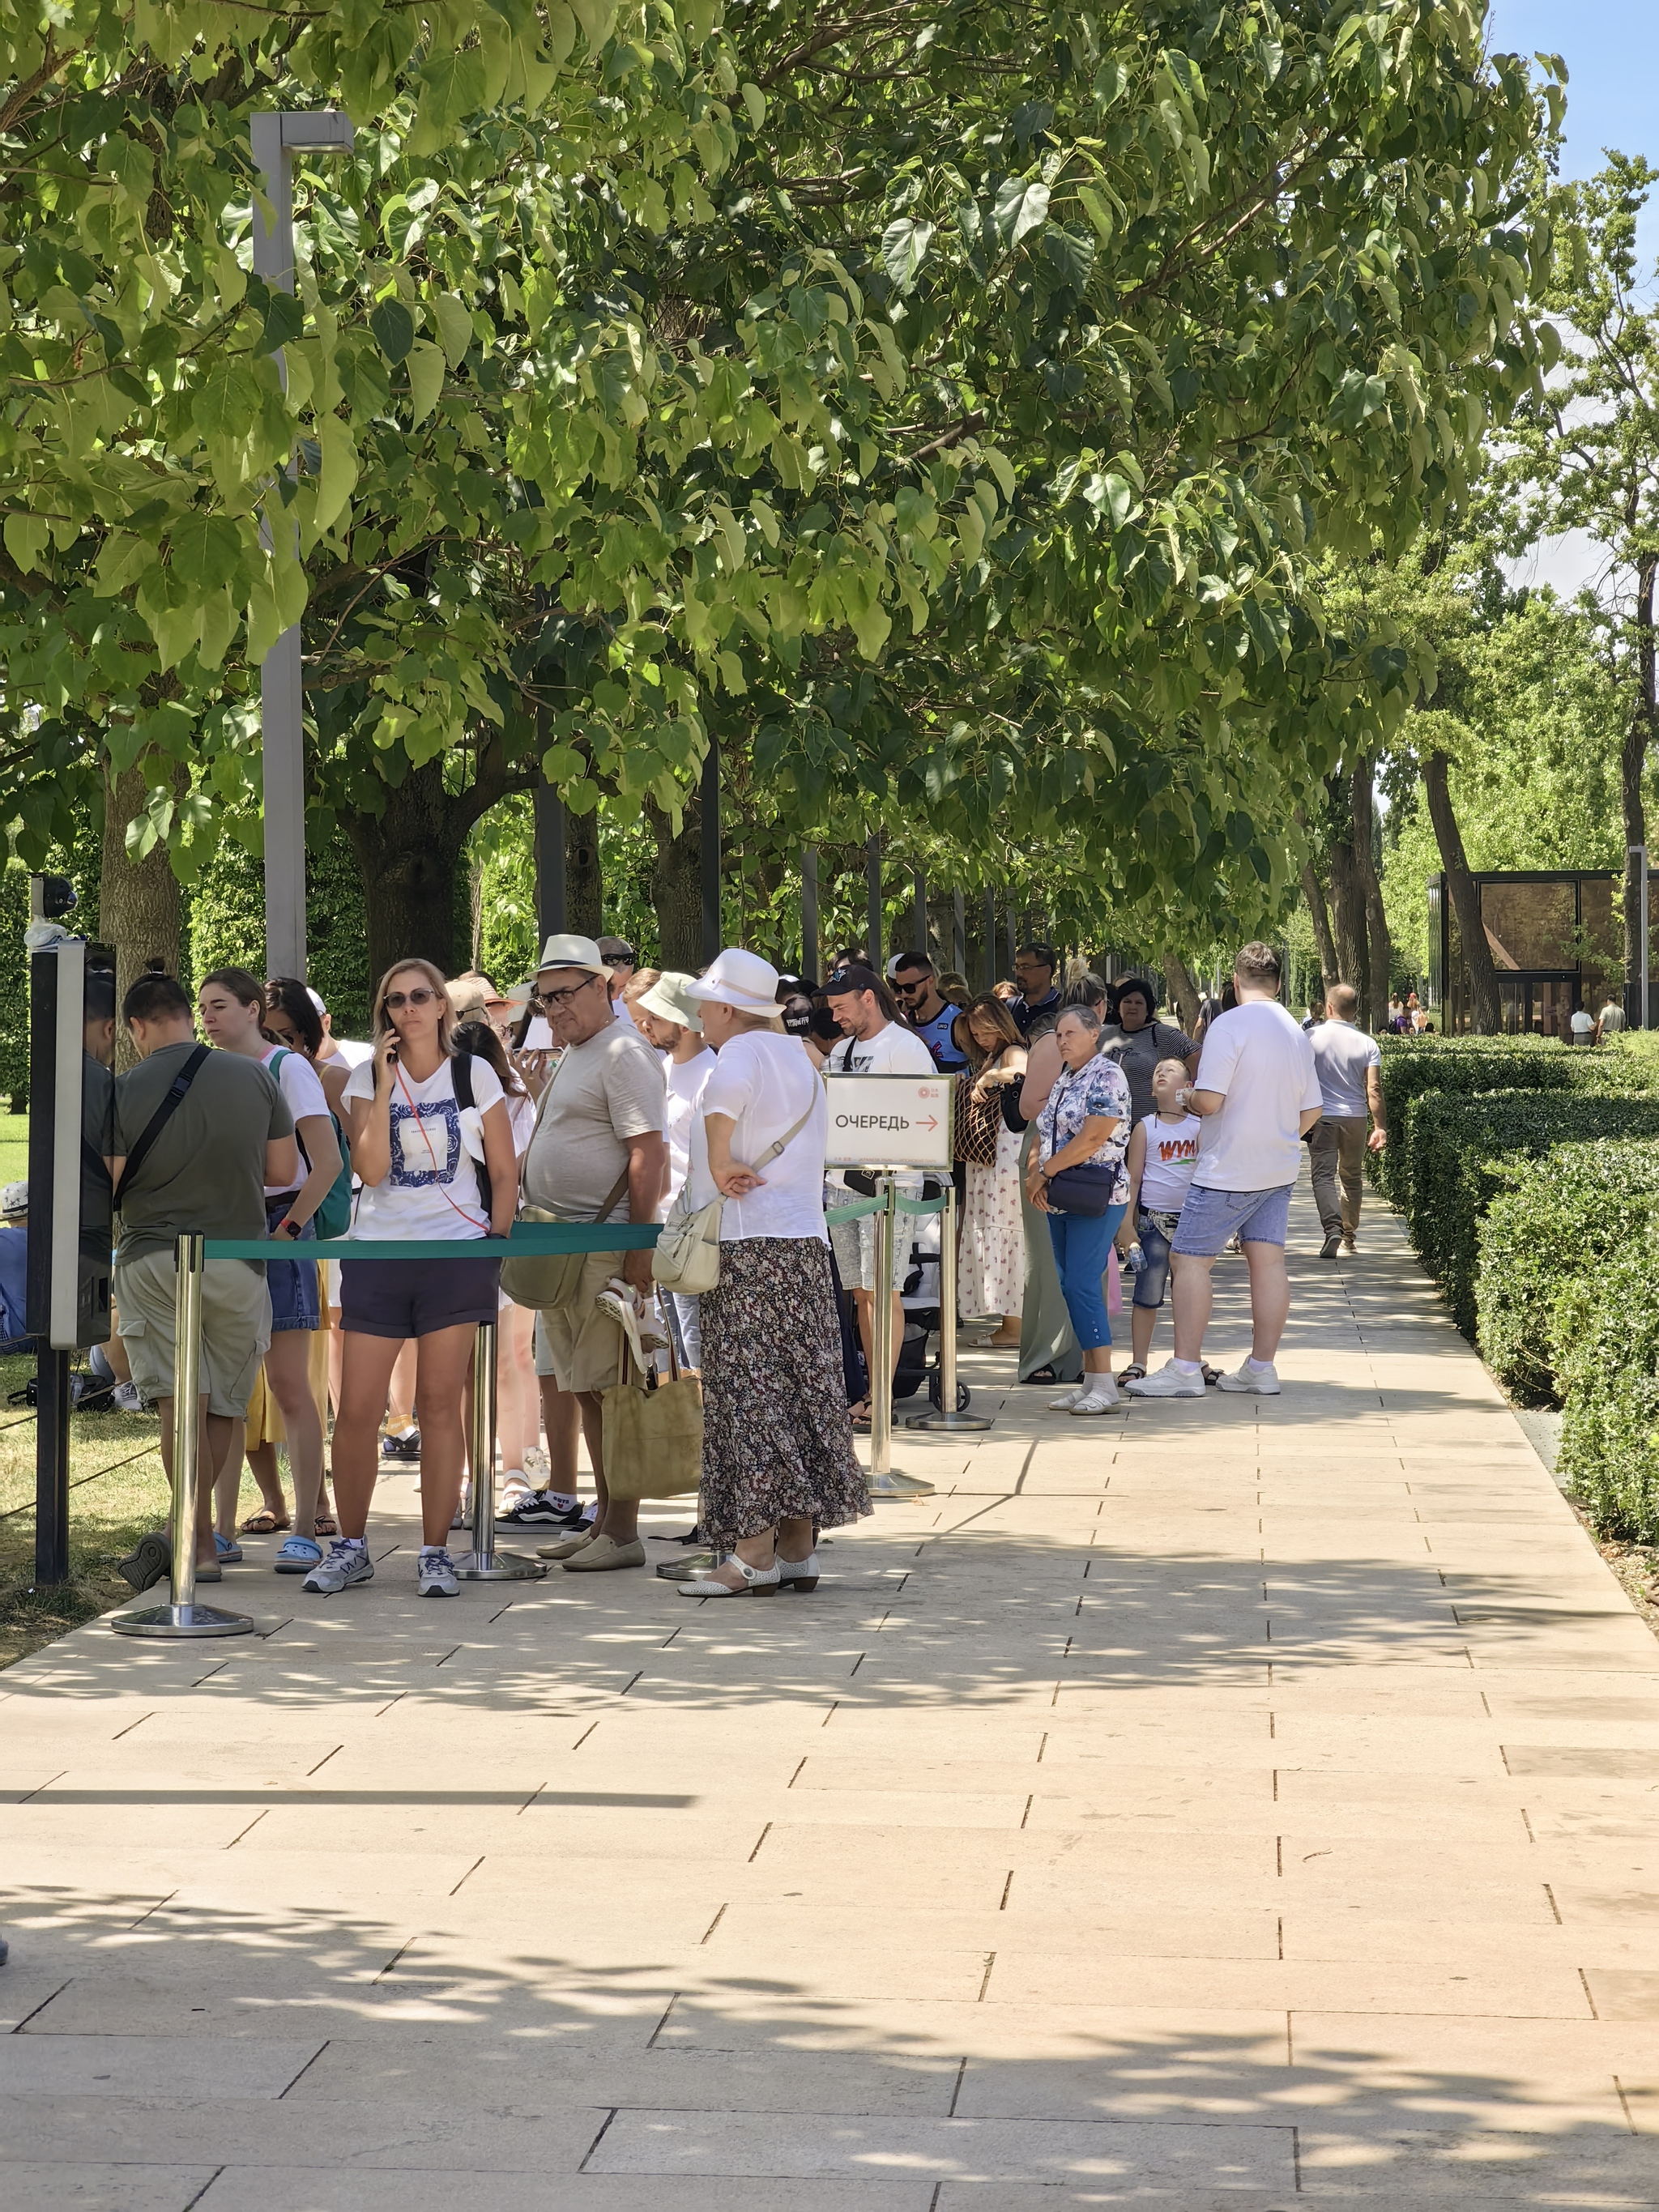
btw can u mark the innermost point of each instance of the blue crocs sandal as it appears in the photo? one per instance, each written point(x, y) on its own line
point(298, 1555)
point(230, 1551)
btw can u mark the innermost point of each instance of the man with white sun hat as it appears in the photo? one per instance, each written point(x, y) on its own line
point(596, 1154)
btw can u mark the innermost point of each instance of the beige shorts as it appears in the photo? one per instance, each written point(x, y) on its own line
point(578, 1345)
point(236, 1326)
point(854, 1243)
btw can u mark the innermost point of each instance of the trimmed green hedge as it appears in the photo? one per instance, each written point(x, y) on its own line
point(1412, 1065)
point(1553, 1219)
point(1453, 1143)
point(1605, 1344)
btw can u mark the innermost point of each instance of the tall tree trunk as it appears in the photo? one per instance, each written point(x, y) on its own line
point(1485, 1013)
point(1182, 990)
point(1374, 993)
point(140, 910)
point(677, 886)
point(1313, 891)
point(1632, 763)
point(584, 880)
point(407, 856)
point(1348, 915)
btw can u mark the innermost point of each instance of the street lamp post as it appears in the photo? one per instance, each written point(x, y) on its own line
point(276, 138)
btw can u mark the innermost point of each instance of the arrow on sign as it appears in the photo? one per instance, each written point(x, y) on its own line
point(932, 1122)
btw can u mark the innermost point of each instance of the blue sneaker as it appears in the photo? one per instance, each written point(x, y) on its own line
point(348, 1562)
point(229, 1551)
point(298, 1556)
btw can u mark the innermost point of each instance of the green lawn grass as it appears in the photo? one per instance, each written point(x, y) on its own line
point(14, 1147)
point(119, 1491)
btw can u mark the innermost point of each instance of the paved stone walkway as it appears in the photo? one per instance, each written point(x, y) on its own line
point(1231, 1805)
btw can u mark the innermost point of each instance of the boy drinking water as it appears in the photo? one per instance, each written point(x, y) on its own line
point(1162, 1156)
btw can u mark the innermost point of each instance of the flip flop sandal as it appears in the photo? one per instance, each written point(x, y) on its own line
point(1133, 1373)
point(1044, 1375)
point(325, 1524)
point(861, 1424)
point(264, 1523)
point(1211, 1374)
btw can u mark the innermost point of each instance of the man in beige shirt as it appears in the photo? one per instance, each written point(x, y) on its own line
point(597, 1154)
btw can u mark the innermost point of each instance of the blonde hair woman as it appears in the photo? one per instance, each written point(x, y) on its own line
point(424, 1120)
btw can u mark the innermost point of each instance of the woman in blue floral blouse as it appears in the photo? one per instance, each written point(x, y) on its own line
point(1086, 1124)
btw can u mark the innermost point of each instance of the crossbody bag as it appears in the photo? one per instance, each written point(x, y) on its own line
point(688, 1254)
point(158, 1120)
point(548, 1281)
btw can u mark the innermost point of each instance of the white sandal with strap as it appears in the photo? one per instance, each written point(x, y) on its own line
point(757, 1582)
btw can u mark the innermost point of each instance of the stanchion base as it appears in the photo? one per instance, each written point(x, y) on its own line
point(944, 1420)
point(894, 1489)
point(182, 1620)
point(499, 1567)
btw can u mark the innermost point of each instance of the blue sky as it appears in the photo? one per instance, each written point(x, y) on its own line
point(1611, 48)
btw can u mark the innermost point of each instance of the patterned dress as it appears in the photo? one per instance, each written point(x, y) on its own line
point(777, 1436)
point(991, 1268)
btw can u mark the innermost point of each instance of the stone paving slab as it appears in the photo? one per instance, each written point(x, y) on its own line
point(1231, 1804)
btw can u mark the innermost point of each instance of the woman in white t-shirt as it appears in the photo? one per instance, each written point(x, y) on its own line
point(777, 1450)
point(418, 1145)
point(232, 1007)
point(1162, 1156)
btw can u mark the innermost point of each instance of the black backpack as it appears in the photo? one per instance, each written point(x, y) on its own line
point(461, 1076)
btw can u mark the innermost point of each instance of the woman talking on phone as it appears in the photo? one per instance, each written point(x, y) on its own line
point(431, 1139)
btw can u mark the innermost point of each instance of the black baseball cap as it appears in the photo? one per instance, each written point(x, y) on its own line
point(853, 978)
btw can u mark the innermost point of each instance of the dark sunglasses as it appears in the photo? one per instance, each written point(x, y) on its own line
point(396, 1000)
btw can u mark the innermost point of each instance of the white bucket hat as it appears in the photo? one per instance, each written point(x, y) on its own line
point(669, 1001)
point(742, 980)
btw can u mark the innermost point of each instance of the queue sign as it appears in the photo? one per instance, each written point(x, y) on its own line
point(891, 1120)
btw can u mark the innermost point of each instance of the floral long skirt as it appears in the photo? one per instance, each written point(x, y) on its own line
point(777, 1438)
point(991, 1263)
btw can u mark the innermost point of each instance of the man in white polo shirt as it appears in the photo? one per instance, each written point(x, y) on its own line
point(1349, 1065)
point(1257, 1095)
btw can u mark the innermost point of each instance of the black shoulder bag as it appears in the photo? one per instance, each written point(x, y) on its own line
point(461, 1076)
point(158, 1120)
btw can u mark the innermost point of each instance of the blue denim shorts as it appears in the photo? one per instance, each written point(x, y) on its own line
point(292, 1283)
point(1210, 1218)
point(1153, 1279)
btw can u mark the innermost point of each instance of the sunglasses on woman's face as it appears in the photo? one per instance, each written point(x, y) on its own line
point(397, 1001)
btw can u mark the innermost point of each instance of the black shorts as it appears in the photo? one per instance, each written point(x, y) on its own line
point(402, 1298)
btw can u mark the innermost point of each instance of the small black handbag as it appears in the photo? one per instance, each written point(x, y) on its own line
point(1086, 1190)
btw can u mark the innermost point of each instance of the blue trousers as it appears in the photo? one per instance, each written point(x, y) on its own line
point(1081, 1246)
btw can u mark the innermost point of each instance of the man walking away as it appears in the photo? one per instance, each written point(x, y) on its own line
point(872, 1044)
point(1257, 1095)
point(198, 1137)
point(930, 1015)
point(1349, 1065)
point(1610, 1021)
point(1037, 1007)
point(596, 1154)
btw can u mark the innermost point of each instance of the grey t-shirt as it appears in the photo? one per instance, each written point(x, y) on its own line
point(205, 1174)
point(1139, 1053)
point(600, 1094)
point(1341, 1055)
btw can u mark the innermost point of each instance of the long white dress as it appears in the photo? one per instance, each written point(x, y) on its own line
point(991, 1270)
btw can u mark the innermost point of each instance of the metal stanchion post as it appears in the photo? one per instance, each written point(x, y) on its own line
point(183, 1616)
point(483, 1563)
point(947, 1417)
point(885, 1483)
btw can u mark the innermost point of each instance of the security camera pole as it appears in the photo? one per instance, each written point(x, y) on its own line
point(276, 138)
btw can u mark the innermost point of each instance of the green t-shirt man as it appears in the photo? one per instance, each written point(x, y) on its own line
point(205, 1174)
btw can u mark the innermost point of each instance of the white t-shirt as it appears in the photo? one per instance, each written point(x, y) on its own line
point(685, 1082)
point(1341, 1055)
point(1172, 1149)
point(303, 1094)
point(1582, 1022)
point(432, 1187)
point(891, 1051)
point(766, 1083)
point(1263, 1065)
point(352, 1054)
point(521, 1119)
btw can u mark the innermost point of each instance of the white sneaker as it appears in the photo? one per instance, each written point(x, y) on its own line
point(1263, 1381)
point(1101, 1398)
point(127, 1398)
point(348, 1562)
point(1168, 1381)
point(435, 1576)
